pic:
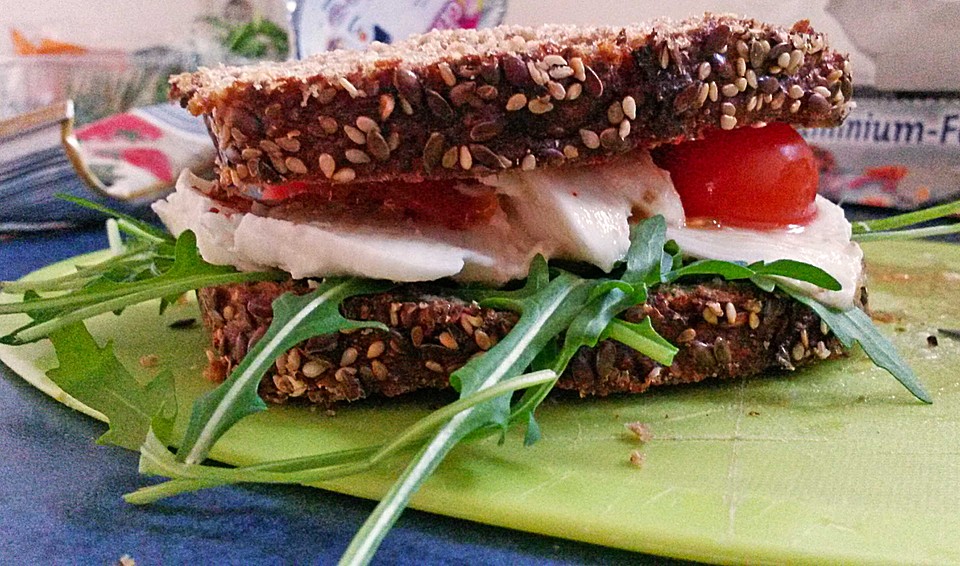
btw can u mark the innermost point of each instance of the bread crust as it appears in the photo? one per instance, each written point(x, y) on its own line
point(430, 336)
point(467, 103)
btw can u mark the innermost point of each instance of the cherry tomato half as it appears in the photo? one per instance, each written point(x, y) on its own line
point(748, 177)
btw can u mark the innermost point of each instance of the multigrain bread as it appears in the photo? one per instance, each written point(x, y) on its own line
point(466, 103)
point(723, 330)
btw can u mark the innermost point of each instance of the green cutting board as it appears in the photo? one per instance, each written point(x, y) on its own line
point(835, 463)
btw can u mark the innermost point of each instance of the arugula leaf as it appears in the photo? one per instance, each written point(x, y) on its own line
point(646, 255)
point(187, 272)
point(892, 223)
point(126, 222)
point(727, 269)
point(295, 319)
point(543, 316)
point(156, 459)
point(642, 337)
point(854, 326)
point(95, 377)
point(908, 234)
point(797, 270)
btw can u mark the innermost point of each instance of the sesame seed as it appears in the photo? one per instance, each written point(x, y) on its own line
point(327, 165)
point(579, 72)
point(348, 86)
point(615, 113)
point(269, 146)
point(554, 61)
point(795, 106)
point(406, 107)
point(710, 316)
point(754, 320)
point(570, 152)
point(379, 370)
point(664, 57)
point(741, 66)
point(482, 339)
point(742, 49)
point(466, 159)
point(751, 77)
point(313, 368)
point(539, 106)
point(433, 366)
point(778, 101)
point(574, 91)
point(728, 122)
point(529, 162)
point(731, 313)
point(834, 76)
point(752, 103)
point(288, 144)
point(279, 165)
point(556, 90)
point(295, 165)
point(535, 74)
point(822, 91)
point(344, 175)
point(344, 374)
point(377, 146)
point(728, 108)
point(624, 130)
point(354, 134)
point(446, 73)
point(795, 91)
point(824, 329)
point(293, 360)
point(774, 69)
point(448, 341)
point(702, 92)
point(729, 90)
point(714, 93)
point(590, 139)
point(450, 157)
point(741, 84)
point(516, 102)
point(703, 71)
point(783, 60)
point(356, 156)
point(629, 107)
point(367, 125)
point(393, 140)
point(348, 357)
point(561, 72)
point(798, 352)
point(687, 335)
point(796, 57)
point(376, 349)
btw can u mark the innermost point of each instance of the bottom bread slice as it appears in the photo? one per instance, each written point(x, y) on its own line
point(722, 329)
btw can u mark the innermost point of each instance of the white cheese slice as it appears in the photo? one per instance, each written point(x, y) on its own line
point(824, 242)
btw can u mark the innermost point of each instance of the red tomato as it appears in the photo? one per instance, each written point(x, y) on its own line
point(748, 177)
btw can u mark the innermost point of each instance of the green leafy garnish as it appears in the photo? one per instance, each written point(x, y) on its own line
point(892, 227)
point(95, 377)
point(854, 326)
point(119, 284)
point(295, 319)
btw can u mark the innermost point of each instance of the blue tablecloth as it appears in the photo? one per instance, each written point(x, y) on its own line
point(60, 493)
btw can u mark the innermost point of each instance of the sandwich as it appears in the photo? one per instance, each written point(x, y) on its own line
point(453, 158)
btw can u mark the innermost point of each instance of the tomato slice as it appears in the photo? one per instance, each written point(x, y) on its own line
point(457, 205)
point(749, 177)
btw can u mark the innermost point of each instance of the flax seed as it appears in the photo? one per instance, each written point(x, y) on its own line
point(482, 339)
point(731, 313)
point(416, 336)
point(754, 320)
point(433, 366)
point(375, 349)
point(688, 335)
point(448, 341)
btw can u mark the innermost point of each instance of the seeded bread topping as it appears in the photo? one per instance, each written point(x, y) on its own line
point(467, 103)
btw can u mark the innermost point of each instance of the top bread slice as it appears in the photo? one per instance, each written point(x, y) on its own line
point(465, 103)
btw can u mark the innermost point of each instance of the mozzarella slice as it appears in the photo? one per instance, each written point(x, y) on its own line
point(824, 242)
point(582, 213)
